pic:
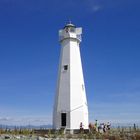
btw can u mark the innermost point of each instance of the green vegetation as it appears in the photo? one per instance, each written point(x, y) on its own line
point(127, 133)
point(120, 133)
point(16, 131)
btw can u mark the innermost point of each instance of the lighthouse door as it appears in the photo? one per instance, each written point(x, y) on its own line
point(63, 119)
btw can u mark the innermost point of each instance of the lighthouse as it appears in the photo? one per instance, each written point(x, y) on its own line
point(70, 107)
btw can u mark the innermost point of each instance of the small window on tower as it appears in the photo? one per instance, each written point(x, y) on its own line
point(65, 67)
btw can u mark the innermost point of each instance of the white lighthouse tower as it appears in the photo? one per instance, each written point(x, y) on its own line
point(70, 108)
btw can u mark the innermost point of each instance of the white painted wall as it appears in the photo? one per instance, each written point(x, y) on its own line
point(70, 95)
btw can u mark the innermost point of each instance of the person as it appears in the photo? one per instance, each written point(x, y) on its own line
point(108, 125)
point(96, 125)
point(90, 127)
point(81, 126)
point(104, 127)
point(101, 128)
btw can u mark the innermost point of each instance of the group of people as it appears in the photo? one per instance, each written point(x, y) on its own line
point(102, 127)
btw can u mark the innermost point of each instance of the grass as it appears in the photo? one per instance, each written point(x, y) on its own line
point(120, 133)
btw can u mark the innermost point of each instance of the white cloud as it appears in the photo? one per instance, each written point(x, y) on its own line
point(3, 119)
point(94, 5)
point(40, 120)
point(96, 8)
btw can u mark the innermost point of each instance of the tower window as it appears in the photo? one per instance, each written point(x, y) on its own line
point(65, 67)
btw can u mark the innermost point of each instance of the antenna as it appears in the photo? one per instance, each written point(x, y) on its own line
point(69, 21)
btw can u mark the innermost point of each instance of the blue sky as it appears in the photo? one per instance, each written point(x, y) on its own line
point(29, 56)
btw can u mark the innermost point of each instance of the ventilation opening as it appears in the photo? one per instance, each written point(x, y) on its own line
point(63, 119)
point(65, 67)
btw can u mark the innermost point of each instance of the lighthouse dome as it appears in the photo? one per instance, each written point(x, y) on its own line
point(69, 25)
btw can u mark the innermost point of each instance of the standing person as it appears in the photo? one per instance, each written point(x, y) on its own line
point(104, 128)
point(90, 127)
point(81, 126)
point(108, 125)
point(96, 125)
point(101, 129)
